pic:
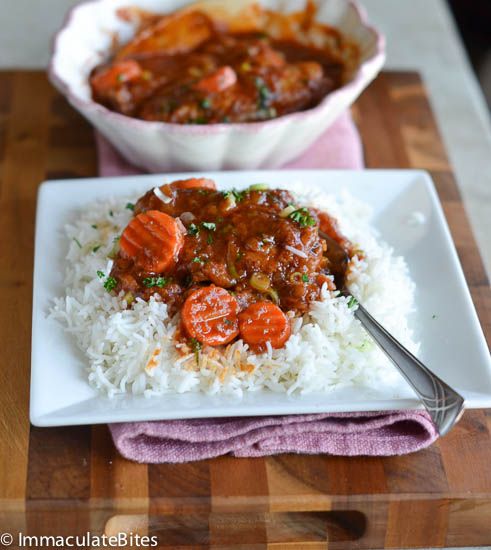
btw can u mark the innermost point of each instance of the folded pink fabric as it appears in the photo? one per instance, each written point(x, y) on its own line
point(351, 434)
point(378, 433)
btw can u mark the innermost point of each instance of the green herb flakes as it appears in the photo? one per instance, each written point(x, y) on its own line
point(151, 282)
point(130, 206)
point(352, 302)
point(77, 242)
point(193, 230)
point(302, 217)
point(264, 93)
point(196, 346)
point(110, 284)
point(233, 194)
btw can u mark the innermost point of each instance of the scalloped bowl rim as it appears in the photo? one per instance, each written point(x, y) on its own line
point(376, 60)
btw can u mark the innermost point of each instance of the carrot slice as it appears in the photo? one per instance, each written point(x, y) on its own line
point(115, 75)
point(220, 80)
point(194, 183)
point(153, 240)
point(209, 314)
point(264, 322)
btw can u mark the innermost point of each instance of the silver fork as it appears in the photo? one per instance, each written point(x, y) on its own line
point(443, 403)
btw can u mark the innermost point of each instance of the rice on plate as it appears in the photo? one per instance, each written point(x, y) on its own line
point(132, 348)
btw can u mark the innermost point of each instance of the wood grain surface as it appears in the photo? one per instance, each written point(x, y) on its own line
point(66, 481)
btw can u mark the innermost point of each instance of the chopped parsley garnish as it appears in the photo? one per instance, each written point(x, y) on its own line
point(239, 256)
point(197, 260)
point(227, 322)
point(150, 282)
point(264, 93)
point(205, 103)
point(352, 302)
point(199, 120)
point(209, 225)
point(305, 278)
point(111, 213)
point(302, 217)
point(110, 284)
point(121, 77)
point(234, 194)
point(209, 239)
point(116, 238)
point(94, 226)
point(196, 346)
point(130, 206)
point(77, 242)
point(193, 230)
point(96, 248)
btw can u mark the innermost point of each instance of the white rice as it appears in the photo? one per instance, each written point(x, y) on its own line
point(131, 350)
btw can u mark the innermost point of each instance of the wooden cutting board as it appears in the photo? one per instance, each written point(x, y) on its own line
point(67, 481)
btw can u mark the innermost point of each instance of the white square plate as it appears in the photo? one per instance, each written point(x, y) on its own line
point(452, 343)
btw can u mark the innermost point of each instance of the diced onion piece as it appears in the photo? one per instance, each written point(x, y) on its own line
point(260, 281)
point(187, 217)
point(230, 202)
point(299, 253)
point(114, 250)
point(295, 277)
point(287, 211)
point(164, 198)
point(273, 295)
point(259, 187)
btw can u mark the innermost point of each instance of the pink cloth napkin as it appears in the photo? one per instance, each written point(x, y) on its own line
point(351, 434)
point(378, 433)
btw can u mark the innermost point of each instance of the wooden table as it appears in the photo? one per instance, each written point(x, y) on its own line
point(70, 480)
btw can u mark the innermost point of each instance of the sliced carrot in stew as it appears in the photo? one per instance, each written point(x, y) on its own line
point(264, 322)
point(220, 80)
point(153, 240)
point(194, 183)
point(209, 314)
point(115, 75)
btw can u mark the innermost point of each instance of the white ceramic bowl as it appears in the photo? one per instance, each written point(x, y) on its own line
point(85, 39)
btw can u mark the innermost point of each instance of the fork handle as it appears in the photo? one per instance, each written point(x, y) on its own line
point(442, 402)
